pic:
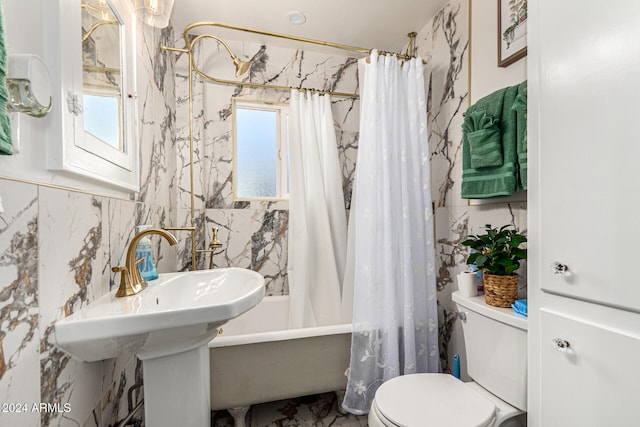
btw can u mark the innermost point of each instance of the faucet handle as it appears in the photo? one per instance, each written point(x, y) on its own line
point(215, 243)
point(125, 288)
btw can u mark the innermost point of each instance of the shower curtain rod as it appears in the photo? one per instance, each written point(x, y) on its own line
point(191, 41)
point(241, 67)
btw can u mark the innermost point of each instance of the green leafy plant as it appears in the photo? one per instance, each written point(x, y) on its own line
point(497, 251)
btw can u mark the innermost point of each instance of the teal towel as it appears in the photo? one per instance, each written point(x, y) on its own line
point(520, 107)
point(6, 147)
point(493, 181)
point(485, 144)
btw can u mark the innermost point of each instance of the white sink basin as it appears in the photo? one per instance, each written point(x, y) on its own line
point(168, 326)
point(176, 313)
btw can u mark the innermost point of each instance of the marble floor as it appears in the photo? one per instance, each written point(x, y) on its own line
point(319, 410)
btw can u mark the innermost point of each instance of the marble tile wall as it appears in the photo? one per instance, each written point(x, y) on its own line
point(19, 296)
point(183, 173)
point(56, 251)
point(72, 239)
point(444, 43)
point(254, 234)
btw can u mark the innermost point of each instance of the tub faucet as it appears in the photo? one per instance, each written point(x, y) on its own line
point(214, 245)
point(131, 281)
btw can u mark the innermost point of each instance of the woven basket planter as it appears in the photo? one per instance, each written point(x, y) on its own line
point(500, 291)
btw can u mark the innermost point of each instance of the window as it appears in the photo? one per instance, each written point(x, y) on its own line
point(261, 154)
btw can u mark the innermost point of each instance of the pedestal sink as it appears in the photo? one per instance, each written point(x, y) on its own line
point(168, 326)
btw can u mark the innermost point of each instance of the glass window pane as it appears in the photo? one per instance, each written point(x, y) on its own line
point(256, 153)
point(101, 72)
point(101, 118)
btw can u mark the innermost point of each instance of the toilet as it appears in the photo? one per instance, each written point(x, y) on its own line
point(496, 347)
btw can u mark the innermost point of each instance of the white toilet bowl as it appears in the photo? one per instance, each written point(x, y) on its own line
point(438, 400)
point(496, 347)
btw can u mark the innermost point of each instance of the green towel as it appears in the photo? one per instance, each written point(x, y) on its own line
point(493, 181)
point(485, 143)
point(6, 147)
point(520, 107)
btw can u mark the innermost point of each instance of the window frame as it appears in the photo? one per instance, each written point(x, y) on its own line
point(282, 170)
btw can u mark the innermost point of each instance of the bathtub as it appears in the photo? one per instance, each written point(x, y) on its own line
point(256, 359)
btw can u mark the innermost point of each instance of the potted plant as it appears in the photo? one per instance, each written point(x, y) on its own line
point(498, 255)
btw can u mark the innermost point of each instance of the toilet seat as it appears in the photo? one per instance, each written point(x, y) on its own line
point(420, 400)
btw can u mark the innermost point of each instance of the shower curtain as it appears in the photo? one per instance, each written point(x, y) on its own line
point(395, 325)
point(317, 216)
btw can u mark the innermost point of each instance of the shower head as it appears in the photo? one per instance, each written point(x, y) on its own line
point(241, 66)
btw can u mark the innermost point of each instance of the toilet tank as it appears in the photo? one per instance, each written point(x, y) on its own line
point(496, 344)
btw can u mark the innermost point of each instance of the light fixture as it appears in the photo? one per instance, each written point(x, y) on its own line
point(155, 13)
point(296, 18)
point(98, 9)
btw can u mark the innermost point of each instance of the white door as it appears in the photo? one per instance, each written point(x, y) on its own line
point(589, 110)
point(590, 375)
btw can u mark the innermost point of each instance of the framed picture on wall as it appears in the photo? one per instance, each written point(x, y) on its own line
point(512, 31)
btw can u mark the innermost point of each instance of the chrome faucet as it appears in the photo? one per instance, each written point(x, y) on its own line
point(131, 281)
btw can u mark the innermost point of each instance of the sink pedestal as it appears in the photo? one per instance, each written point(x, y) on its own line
point(177, 389)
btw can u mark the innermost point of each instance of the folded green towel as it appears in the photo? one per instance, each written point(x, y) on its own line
point(493, 181)
point(485, 143)
point(520, 107)
point(6, 147)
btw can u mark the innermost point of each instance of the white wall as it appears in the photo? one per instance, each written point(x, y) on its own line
point(486, 76)
point(23, 34)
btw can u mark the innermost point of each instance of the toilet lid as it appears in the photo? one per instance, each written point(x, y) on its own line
point(432, 399)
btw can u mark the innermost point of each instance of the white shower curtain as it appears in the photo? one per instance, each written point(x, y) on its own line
point(395, 324)
point(317, 216)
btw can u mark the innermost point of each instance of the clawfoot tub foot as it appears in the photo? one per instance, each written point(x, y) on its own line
point(340, 397)
point(239, 415)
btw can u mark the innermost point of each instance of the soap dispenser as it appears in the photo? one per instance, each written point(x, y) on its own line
point(143, 250)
